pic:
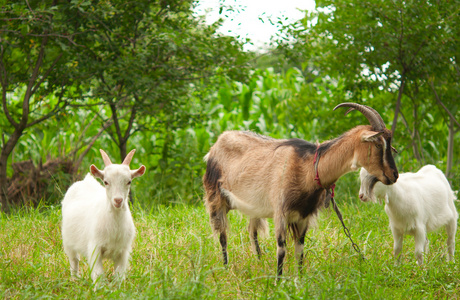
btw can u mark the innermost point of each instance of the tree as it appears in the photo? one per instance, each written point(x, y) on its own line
point(36, 61)
point(144, 58)
point(383, 47)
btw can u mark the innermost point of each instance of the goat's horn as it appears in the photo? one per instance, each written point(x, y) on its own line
point(128, 158)
point(105, 158)
point(371, 114)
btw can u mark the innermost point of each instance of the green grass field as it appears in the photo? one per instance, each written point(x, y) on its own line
point(175, 256)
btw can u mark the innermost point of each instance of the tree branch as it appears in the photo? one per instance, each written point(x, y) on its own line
point(452, 117)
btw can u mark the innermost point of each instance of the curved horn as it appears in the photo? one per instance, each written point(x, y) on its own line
point(128, 158)
point(371, 114)
point(105, 158)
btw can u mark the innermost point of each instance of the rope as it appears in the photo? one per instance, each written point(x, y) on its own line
point(330, 191)
point(346, 230)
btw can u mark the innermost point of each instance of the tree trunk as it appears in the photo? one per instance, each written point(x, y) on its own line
point(450, 147)
point(398, 104)
point(415, 136)
point(5, 153)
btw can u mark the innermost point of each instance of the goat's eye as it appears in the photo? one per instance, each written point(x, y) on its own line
point(378, 146)
point(106, 183)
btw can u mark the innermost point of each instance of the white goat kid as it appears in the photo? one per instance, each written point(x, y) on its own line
point(96, 221)
point(416, 204)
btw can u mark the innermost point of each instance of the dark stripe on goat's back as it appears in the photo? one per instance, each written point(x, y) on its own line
point(304, 148)
point(211, 178)
point(301, 147)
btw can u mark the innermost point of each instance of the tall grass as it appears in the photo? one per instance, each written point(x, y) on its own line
point(175, 256)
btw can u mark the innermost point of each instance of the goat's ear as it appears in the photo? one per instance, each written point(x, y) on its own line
point(370, 136)
point(139, 172)
point(96, 172)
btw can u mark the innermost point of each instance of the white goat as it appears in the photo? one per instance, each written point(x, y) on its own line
point(416, 204)
point(96, 221)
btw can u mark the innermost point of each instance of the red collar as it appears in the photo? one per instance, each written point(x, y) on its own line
point(318, 181)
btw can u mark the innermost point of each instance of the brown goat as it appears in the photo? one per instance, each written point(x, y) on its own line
point(269, 178)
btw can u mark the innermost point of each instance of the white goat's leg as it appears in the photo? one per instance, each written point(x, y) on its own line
point(280, 233)
point(451, 229)
point(95, 263)
point(74, 262)
point(420, 240)
point(121, 264)
point(398, 237)
point(299, 230)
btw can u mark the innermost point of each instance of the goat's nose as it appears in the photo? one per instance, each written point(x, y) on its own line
point(118, 201)
point(396, 175)
point(361, 196)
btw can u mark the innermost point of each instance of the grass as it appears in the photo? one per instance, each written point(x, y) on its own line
point(175, 256)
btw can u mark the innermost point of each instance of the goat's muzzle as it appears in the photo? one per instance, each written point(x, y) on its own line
point(391, 179)
point(117, 202)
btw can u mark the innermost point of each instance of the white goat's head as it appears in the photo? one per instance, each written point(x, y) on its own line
point(117, 178)
point(366, 189)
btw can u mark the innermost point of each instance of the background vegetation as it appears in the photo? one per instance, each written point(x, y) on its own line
point(76, 76)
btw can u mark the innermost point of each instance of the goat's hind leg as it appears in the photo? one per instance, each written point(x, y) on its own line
point(74, 262)
point(280, 233)
point(420, 242)
point(218, 210)
point(256, 224)
point(451, 229)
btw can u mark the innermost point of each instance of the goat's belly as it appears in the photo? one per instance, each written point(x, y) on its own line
point(252, 205)
point(259, 212)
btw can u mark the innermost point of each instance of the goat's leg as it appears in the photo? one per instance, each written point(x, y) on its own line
point(299, 231)
point(420, 240)
point(451, 229)
point(280, 233)
point(74, 262)
point(398, 237)
point(121, 264)
point(223, 244)
point(217, 208)
point(256, 224)
point(95, 263)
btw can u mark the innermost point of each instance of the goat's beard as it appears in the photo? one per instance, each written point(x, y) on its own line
point(370, 189)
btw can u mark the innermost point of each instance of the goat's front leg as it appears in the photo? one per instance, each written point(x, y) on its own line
point(280, 233)
point(398, 237)
point(95, 263)
point(299, 231)
point(121, 264)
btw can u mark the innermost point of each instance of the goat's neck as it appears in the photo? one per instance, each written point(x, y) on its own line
point(338, 160)
point(380, 190)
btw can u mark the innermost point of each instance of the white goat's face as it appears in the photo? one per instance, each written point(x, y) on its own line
point(117, 182)
point(366, 189)
point(117, 179)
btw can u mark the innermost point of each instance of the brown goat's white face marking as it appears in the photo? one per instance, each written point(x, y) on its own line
point(379, 160)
